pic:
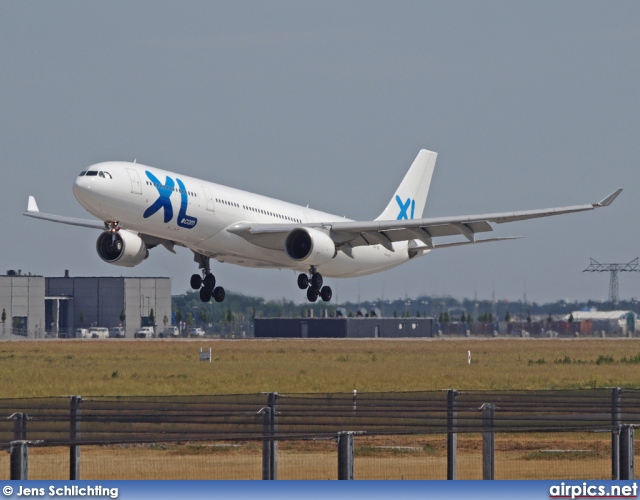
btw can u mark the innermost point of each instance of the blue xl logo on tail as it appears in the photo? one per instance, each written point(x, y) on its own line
point(404, 206)
point(165, 190)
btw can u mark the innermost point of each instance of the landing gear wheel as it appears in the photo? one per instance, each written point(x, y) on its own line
point(312, 294)
point(196, 281)
point(209, 281)
point(303, 281)
point(316, 281)
point(326, 293)
point(218, 294)
point(205, 294)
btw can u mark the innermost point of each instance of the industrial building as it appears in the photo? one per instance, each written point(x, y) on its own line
point(22, 305)
point(343, 327)
point(38, 307)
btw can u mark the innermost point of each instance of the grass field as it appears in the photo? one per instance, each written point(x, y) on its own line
point(172, 367)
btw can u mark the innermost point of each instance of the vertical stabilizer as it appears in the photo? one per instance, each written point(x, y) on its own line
point(411, 196)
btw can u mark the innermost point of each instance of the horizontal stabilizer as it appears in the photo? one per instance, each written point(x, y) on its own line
point(488, 240)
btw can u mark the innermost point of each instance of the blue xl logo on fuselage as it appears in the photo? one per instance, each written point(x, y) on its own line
point(404, 206)
point(164, 191)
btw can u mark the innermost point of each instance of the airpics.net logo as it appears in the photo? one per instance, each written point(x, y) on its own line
point(587, 490)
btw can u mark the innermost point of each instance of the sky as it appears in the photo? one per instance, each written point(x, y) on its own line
point(528, 104)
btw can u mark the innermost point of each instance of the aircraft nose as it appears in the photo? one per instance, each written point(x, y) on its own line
point(84, 189)
point(80, 186)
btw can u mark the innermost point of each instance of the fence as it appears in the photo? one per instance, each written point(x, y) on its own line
point(568, 434)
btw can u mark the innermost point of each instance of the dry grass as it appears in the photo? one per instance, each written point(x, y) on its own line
point(532, 456)
point(171, 367)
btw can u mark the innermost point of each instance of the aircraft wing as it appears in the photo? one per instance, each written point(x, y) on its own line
point(33, 211)
point(349, 234)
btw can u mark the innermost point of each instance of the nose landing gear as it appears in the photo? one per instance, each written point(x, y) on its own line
point(314, 286)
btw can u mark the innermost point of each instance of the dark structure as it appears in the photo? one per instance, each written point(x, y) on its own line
point(341, 327)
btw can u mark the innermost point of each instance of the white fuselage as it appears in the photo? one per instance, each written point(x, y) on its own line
point(195, 213)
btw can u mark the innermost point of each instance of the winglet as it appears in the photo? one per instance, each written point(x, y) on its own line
point(32, 206)
point(609, 199)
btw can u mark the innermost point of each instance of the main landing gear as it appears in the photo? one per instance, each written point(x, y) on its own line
point(314, 286)
point(207, 282)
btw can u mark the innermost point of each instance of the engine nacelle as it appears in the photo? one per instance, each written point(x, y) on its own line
point(310, 246)
point(123, 248)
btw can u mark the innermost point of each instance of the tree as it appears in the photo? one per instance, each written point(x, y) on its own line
point(123, 317)
point(549, 319)
point(528, 316)
point(507, 316)
point(189, 319)
point(165, 320)
point(202, 316)
point(463, 317)
point(571, 318)
point(4, 319)
point(179, 316)
point(152, 317)
point(82, 317)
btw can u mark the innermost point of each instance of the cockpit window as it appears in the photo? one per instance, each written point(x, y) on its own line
point(82, 173)
point(107, 175)
point(101, 174)
point(91, 172)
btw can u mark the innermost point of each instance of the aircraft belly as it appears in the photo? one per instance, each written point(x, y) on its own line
point(231, 248)
point(366, 260)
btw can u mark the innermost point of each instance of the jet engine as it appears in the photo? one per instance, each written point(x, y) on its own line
point(122, 248)
point(310, 246)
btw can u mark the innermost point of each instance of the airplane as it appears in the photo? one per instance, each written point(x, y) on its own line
point(141, 207)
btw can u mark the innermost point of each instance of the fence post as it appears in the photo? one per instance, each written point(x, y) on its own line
point(20, 426)
point(616, 397)
point(74, 436)
point(273, 404)
point(452, 435)
point(488, 441)
point(345, 455)
point(626, 452)
point(266, 444)
point(19, 466)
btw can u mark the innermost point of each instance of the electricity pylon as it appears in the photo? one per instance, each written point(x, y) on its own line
point(613, 269)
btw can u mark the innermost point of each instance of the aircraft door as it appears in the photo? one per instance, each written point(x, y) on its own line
point(209, 197)
point(136, 185)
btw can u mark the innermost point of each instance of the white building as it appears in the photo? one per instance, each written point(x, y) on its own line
point(621, 322)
